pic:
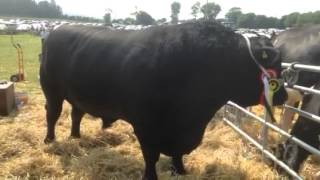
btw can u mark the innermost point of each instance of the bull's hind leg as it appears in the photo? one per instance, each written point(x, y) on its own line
point(150, 156)
point(53, 108)
point(177, 165)
point(76, 116)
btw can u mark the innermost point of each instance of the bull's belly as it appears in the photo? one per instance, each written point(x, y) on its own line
point(181, 146)
point(95, 109)
point(173, 141)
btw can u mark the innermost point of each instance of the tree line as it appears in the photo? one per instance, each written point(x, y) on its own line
point(29, 8)
point(251, 20)
point(209, 11)
point(234, 16)
point(42, 9)
point(45, 9)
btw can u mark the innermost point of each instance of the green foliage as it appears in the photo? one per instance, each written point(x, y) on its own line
point(246, 21)
point(316, 17)
point(43, 9)
point(290, 20)
point(161, 21)
point(195, 9)
point(129, 21)
point(118, 21)
point(143, 18)
point(297, 19)
point(250, 20)
point(31, 46)
point(210, 10)
point(233, 14)
point(175, 10)
point(107, 19)
point(81, 18)
point(29, 8)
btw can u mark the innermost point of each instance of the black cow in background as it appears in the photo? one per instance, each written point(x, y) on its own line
point(305, 129)
point(301, 45)
point(166, 81)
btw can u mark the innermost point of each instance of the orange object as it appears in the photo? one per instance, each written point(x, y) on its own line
point(20, 75)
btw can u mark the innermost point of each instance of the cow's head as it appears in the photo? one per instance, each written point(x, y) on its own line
point(263, 61)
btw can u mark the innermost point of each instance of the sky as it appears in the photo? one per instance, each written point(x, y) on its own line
point(162, 8)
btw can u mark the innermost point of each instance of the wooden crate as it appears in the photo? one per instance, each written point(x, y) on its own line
point(7, 100)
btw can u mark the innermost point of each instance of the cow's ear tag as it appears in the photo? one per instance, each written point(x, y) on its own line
point(274, 85)
point(264, 55)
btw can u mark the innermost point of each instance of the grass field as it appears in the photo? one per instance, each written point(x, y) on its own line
point(110, 154)
point(8, 59)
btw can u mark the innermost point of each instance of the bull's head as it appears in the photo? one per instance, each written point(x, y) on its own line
point(268, 62)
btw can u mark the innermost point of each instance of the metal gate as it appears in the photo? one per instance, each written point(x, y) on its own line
point(232, 118)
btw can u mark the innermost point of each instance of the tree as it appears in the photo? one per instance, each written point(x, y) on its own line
point(161, 21)
point(143, 18)
point(175, 10)
point(316, 17)
point(210, 10)
point(233, 14)
point(46, 9)
point(118, 21)
point(247, 21)
point(129, 21)
point(195, 9)
point(261, 21)
point(305, 18)
point(291, 19)
point(107, 19)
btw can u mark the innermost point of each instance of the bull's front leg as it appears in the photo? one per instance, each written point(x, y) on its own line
point(53, 108)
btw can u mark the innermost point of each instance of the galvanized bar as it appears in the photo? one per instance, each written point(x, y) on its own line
point(263, 150)
point(303, 67)
point(304, 89)
point(304, 113)
point(282, 132)
point(264, 130)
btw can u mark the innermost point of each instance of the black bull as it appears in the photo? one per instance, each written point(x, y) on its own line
point(166, 81)
point(302, 45)
point(304, 129)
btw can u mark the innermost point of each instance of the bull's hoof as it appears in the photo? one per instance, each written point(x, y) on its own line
point(75, 136)
point(177, 171)
point(48, 140)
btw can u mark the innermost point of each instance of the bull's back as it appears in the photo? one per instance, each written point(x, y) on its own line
point(77, 65)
